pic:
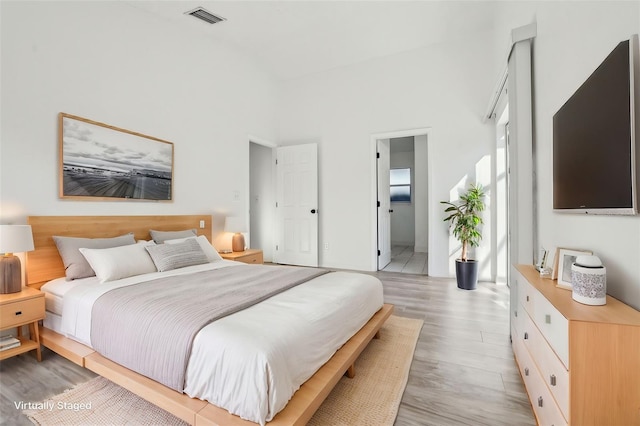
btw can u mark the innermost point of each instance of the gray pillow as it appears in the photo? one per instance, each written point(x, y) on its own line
point(75, 265)
point(160, 237)
point(173, 256)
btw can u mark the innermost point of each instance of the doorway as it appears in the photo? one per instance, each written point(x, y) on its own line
point(283, 202)
point(261, 197)
point(402, 201)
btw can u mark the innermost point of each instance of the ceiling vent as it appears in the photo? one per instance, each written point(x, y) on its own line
point(204, 15)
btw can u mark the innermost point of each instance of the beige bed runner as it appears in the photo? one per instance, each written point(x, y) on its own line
point(149, 327)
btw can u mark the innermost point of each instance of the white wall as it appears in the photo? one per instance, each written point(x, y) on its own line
point(403, 218)
point(573, 39)
point(444, 87)
point(115, 64)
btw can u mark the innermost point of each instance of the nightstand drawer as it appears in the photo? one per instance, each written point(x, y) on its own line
point(247, 256)
point(251, 258)
point(21, 312)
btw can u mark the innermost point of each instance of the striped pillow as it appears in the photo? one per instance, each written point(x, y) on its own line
point(173, 256)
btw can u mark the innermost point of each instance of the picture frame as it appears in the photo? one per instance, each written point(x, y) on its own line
point(566, 257)
point(542, 259)
point(102, 162)
point(554, 267)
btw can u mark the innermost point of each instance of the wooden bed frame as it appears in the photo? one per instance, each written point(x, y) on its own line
point(44, 264)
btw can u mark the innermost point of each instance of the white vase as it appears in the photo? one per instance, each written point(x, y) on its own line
point(589, 281)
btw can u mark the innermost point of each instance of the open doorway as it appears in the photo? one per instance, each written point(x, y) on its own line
point(261, 197)
point(406, 256)
point(402, 201)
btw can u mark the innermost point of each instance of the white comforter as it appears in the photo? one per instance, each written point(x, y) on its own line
point(252, 362)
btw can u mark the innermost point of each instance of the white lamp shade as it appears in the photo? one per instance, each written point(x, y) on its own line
point(15, 238)
point(234, 224)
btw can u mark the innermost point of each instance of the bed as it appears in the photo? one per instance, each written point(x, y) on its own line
point(341, 317)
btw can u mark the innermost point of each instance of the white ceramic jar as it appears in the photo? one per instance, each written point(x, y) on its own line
point(589, 281)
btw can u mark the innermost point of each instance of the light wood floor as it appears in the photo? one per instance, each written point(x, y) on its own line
point(463, 372)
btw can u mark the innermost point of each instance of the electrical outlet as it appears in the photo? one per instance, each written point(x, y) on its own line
point(202, 224)
point(326, 246)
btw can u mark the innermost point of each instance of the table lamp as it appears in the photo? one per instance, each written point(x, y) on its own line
point(13, 239)
point(235, 224)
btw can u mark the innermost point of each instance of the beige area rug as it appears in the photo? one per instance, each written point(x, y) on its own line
point(371, 398)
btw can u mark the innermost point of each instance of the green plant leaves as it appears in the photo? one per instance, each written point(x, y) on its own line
point(466, 218)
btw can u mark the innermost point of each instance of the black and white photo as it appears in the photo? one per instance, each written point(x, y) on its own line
point(567, 258)
point(102, 161)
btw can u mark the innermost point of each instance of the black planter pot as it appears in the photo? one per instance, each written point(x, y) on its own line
point(467, 274)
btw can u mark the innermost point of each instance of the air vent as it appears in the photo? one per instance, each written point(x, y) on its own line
point(204, 15)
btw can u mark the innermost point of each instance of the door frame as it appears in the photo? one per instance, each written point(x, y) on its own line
point(374, 188)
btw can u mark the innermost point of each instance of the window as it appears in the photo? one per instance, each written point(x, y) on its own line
point(400, 181)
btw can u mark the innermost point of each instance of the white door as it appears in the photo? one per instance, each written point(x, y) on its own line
point(297, 205)
point(384, 204)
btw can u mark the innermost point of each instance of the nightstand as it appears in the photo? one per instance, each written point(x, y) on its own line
point(247, 256)
point(18, 309)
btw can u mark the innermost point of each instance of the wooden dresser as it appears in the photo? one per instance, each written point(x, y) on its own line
point(580, 363)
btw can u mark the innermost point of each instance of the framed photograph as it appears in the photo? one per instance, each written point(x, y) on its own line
point(554, 266)
point(566, 258)
point(102, 162)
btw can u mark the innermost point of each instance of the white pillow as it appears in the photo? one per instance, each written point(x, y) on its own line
point(119, 262)
point(205, 245)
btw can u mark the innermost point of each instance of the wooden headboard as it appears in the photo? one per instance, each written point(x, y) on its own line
point(44, 262)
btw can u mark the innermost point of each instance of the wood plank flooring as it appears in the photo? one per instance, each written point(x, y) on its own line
point(463, 372)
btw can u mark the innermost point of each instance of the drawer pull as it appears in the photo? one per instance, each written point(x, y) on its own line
point(19, 313)
point(526, 336)
point(552, 380)
point(540, 401)
point(547, 319)
point(526, 371)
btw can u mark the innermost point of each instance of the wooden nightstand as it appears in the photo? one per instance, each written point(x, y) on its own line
point(247, 256)
point(18, 309)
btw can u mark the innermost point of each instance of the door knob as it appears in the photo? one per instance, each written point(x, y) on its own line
point(313, 211)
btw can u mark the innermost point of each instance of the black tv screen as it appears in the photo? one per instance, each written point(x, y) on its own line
point(594, 141)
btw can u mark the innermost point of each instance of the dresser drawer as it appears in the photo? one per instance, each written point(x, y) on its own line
point(553, 326)
point(551, 369)
point(544, 406)
point(21, 312)
point(526, 294)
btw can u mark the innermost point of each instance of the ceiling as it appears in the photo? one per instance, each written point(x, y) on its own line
point(298, 38)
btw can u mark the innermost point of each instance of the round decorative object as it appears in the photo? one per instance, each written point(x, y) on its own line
point(589, 281)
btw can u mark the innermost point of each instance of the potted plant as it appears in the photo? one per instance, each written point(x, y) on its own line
point(465, 219)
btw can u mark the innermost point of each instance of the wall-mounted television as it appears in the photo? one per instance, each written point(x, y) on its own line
point(595, 148)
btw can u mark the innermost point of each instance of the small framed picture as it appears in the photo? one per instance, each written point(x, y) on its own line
point(554, 263)
point(542, 259)
point(566, 258)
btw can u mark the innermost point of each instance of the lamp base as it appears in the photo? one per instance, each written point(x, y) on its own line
point(10, 274)
point(237, 242)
